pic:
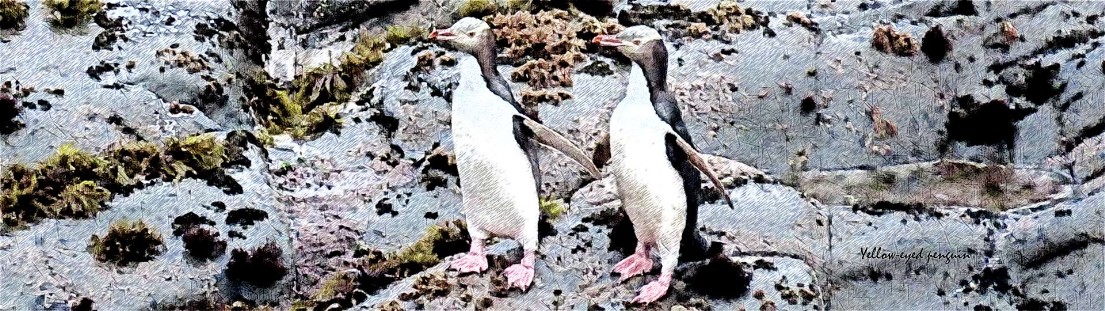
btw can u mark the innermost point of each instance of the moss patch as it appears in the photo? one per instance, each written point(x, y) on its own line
point(72, 13)
point(477, 8)
point(13, 13)
point(335, 285)
point(439, 241)
point(127, 242)
point(203, 243)
point(426, 288)
point(74, 183)
point(552, 208)
point(9, 114)
point(197, 153)
point(310, 106)
point(378, 270)
point(401, 34)
point(262, 266)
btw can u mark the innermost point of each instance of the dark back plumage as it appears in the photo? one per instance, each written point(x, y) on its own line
point(655, 65)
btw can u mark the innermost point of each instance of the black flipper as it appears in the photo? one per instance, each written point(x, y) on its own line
point(486, 58)
point(693, 246)
point(522, 134)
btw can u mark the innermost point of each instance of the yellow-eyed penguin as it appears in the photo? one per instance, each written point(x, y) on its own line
point(494, 141)
point(654, 164)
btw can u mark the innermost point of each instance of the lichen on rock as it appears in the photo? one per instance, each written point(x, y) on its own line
point(889, 41)
point(720, 21)
point(547, 46)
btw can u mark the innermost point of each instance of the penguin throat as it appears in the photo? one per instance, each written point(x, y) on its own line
point(477, 68)
point(638, 91)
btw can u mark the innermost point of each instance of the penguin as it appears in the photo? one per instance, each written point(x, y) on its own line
point(655, 164)
point(495, 143)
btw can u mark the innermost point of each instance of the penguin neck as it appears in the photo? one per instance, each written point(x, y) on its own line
point(654, 67)
point(486, 59)
point(481, 63)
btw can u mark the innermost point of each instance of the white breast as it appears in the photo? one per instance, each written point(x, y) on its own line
point(497, 185)
point(650, 188)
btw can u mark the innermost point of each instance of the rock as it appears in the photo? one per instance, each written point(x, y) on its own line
point(936, 44)
point(1016, 232)
point(887, 40)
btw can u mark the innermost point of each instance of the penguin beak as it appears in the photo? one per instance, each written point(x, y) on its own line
point(606, 40)
point(442, 35)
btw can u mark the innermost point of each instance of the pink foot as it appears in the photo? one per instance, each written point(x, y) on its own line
point(653, 291)
point(469, 263)
point(633, 265)
point(519, 276)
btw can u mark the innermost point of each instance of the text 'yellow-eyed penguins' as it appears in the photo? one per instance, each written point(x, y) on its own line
point(494, 141)
point(654, 164)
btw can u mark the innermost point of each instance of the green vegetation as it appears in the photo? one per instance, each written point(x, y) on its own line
point(421, 254)
point(288, 116)
point(80, 199)
point(552, 209)
point(477, 8)
point(126, 242)
point(72, 13)
point(368, 51)
point(12, 14)
point(264, 137)
point(197, 153)
point(519, 5)
point(335, 285)
point(73, 183)
point(378, 270)
point(310, 107)
point(400, 34)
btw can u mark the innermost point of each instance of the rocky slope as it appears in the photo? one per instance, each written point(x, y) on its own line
point(943, 154)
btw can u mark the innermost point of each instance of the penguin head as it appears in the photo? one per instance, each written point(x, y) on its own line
point(468, 34)
point(637, 42)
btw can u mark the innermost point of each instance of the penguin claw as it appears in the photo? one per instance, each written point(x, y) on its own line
point(519, 276)
point(652, 292)
point(469, 263)
point(633, 265)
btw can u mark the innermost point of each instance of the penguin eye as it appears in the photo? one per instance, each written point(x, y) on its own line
point(636, 41)
point(471, 33)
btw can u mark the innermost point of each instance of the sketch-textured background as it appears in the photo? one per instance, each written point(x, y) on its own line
point(325, 175)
